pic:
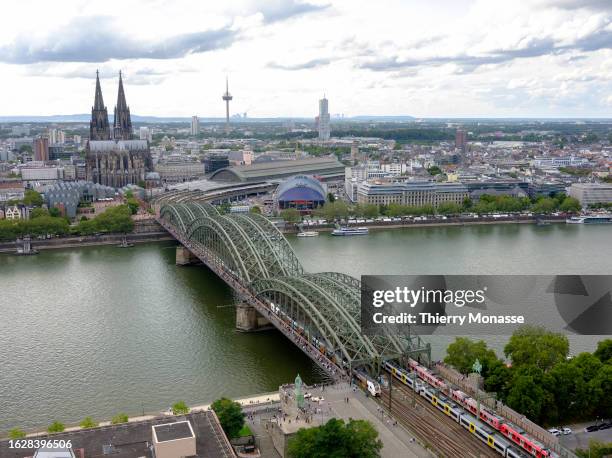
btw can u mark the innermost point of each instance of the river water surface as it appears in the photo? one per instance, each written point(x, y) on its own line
point(101, 330)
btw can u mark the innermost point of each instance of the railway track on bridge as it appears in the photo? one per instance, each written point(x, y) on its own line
point(444, 436)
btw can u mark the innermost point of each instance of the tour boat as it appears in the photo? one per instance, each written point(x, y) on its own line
point(593, 219)
point(350, 231)
point(308, 234)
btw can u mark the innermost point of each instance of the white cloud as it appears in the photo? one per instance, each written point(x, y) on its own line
point(438, 58)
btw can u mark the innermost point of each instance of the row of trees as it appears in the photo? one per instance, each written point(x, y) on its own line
point(42, 222)
point(487, 204)
point(58, 426)
point(541, 382)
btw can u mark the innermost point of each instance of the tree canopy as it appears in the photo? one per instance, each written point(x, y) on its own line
point(180, 408)
point(542, 383)
point(336, 439)
point(534, 345)
point(230, 416)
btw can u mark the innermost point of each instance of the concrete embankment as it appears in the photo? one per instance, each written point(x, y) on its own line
point(145, 231)
point(92, 240)
point(291, 229)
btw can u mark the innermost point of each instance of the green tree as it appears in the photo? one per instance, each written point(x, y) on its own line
point(597, 449)
point(434, 170)
point(230, 416)
point(180, 408)
point(56, 427)
point(87, 423)
point(498, 379)
point(291, 215)
point(38, 211)
point(370, 211)
point(113, 220)
point(449, 208)
point(16, 433)
point(534, 345)
point(32, 198)
point(54, 212)
point(331, 198)
point(602, 385)
point(224, 208)
point(255, 209)
point(119, 418)
point(544, 205)
point(527, 396)
point(463, 352)
point(604, 350)
point(336, 439)
point(133, 205)
point(570, 204)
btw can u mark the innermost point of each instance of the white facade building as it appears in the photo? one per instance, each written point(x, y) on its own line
point(195, 126)
point(591, 193)
point(324, 130)
point(146, 134)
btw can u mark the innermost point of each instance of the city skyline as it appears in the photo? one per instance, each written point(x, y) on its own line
point(542, 58)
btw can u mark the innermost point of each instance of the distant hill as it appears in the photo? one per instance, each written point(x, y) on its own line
point(163, 119)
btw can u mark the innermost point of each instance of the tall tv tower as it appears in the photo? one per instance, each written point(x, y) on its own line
point(227, 97)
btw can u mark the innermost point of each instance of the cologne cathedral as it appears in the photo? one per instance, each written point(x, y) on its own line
point(114, 157)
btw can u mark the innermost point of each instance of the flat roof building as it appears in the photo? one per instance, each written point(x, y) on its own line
point(591, 193)
point(276, 170)
point(412, 193)
point(174, 440)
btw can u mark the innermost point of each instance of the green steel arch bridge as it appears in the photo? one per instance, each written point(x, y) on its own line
point(319, 312)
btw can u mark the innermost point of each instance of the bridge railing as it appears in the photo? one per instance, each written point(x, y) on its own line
point(215, 264)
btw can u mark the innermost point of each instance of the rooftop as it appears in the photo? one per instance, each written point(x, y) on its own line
point(278, 169)
point(130, 440)
point(173, 431)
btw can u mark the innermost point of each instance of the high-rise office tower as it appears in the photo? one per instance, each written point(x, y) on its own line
point(41, 149)
point(323, 119)
point(146, 134)
point(227, 97)
point(195, 126)
point(461, 139)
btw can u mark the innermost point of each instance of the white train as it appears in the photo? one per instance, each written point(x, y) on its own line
point(367, 382)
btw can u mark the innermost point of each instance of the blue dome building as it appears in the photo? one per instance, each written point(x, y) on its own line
point(300, 192)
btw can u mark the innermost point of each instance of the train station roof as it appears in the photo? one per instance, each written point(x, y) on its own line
point(276, 170)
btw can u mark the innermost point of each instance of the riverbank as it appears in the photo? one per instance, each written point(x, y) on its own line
point(257, 400)
point(149, 231)
point(88, 240)
point(434, 222)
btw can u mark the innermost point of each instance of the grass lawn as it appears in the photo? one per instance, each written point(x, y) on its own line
point(245, 431)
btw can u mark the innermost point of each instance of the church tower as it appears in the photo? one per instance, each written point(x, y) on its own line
point(98, 126)
point(122, 126)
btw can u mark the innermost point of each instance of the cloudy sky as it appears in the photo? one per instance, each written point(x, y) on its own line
point(384, 57)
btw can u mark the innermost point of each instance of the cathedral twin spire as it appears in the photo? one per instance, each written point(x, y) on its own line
point(99, 128)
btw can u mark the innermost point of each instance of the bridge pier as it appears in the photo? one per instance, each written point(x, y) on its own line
point(249, 320)
point(184, 257)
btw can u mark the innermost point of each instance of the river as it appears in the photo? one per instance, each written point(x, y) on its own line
point(101, 330)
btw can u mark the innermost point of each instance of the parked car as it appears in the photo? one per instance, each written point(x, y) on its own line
point(591, 428)
point(554, 432)
point(566, 431)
